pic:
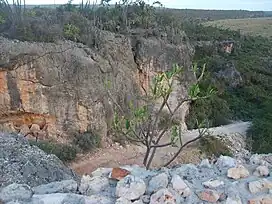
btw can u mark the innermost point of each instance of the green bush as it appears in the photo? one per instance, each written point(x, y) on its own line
point(87, 141)
point(64, 152)
point(260, 133)
point(71, 32)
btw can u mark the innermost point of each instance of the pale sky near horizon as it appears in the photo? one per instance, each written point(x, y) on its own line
point(257, 5)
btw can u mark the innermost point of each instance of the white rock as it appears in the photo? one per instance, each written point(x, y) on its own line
point(180, 186)
point(130, 187)
point(65, 186)
point(123, 201)
point(235, 200)
point(163, 196)
point(157, 182)
point(205, 164)
point(93, 185)
point(213, 183)
point(225, 162)
point(261, 171)
point(16, 192)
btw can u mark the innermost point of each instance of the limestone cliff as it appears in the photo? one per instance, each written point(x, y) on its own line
point(60, 87)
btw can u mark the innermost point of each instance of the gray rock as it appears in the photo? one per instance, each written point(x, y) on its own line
point(73, 199)
point(261, 171)
point(145, 198)
point(180, 186)
point(55, 198)
point(190, 171)
point(163, 196)
point(94, 185)
point(66, 186)
point(23, 163)
point(130, 187)
point(64, 198)
point(16, 192)
point(123, 201)
point(157, 182)
point(213, 183)
point(234, 200)
point(98, 199)
point(205, 164)
point(260, 185)
point(138, 202)
point(103, 172)
point(61, 198)
point(261, 159)
point(224, 162)
point(230, 75)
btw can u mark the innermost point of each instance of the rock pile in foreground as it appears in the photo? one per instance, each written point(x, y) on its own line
point(226, 181)
point(22, 163)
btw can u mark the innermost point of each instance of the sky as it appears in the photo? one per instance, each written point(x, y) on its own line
point(254, 5)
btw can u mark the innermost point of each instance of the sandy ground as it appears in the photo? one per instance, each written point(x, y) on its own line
point(117, 155)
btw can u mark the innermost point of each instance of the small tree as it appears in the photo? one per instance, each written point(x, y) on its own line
point(141, 123)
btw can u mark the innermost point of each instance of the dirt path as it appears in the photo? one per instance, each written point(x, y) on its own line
point(117, 155)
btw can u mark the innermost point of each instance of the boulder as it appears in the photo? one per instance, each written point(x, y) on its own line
point(119, 173)
point(65, 186)
point(260, 186)
point(224, 162)
point(103, 172)
point(94, 185)
point(16, 192)
point(157, 182)
point(180, 186)
point(130, 187)
point(238, 172)
point(261, 171)
point(209, 196)
point(163, 196)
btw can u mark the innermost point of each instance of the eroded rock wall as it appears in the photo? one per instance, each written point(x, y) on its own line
point(63, 84)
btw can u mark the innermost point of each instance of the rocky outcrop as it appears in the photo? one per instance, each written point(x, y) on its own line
point(23, 163)
point(55, 90)
point(204, 183)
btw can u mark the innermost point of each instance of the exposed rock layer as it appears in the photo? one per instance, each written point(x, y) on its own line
point(64, 84)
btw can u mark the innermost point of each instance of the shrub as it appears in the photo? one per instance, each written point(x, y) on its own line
point(64, 152)
point(87, 141)
point(214, 146)
point(141, 123)
point(71, 32)
point(260, 133)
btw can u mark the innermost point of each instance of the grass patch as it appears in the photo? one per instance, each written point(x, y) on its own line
point(64, 152)
point(248, 26)
point(87, 141)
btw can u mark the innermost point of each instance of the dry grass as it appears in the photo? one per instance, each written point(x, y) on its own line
point(249, 26)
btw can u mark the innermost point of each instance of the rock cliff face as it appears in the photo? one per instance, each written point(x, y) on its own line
point(60, 88)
